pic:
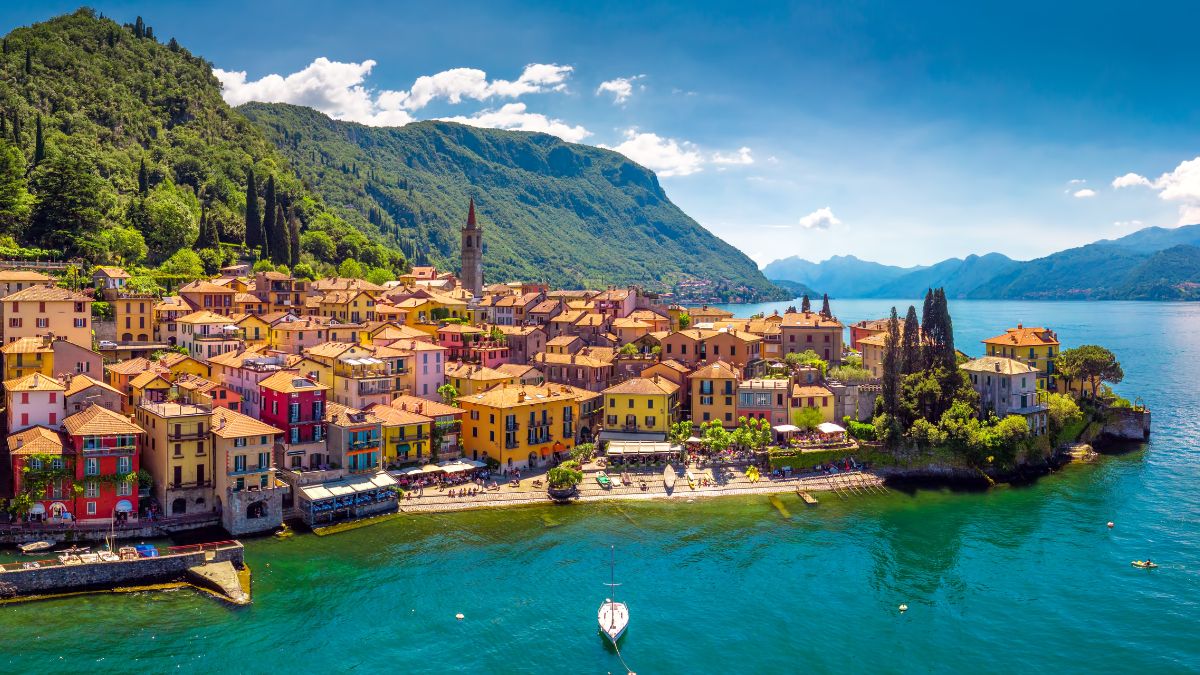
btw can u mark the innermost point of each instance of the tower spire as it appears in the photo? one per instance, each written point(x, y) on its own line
point(471, 215)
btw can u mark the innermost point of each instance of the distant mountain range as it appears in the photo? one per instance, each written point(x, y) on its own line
point(1154, 263)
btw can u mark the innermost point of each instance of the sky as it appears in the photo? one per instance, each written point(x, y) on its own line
point(904, 133)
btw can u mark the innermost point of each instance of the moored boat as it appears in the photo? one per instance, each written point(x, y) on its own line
point(669, 477)
point(613, 616)
point(35, 547)
point(1144, 564)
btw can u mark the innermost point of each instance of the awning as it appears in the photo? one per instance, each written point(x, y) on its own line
point(830, 428)
point(694, 439)
point(607, 435)
point(474, 463)
point(636, 448)
point(347, 486)
point(456, 467)
point(410, 471)
point(431, 468)
point(37, 509)
point(786, 428)
point(124, 506)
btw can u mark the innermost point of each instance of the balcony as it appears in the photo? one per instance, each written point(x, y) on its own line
point(193, 435)
point(191, 484)
point(257, 468)
point(382, 385)
point(364, 445)
point(111, 450)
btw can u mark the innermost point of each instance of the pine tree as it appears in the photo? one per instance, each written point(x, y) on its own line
point(294, 237)
point(805, 304)
point(911, 359)
point(139, 28)
point(269, 205)
point(281, 249)
point(143, 179)
point(825, 310)
point(253, 221)
point(891, 367)
point(39, 143)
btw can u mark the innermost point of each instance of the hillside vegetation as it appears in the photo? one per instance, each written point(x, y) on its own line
point(568, 214)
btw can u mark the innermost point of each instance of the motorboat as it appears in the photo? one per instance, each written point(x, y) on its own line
point(35, 547)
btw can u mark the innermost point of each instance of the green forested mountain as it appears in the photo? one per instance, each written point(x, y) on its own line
point(117, 148)
point(568, 214)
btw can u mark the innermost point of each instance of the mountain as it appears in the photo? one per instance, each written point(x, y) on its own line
point(568, 214)
point(127, 144)
point(1153, 263)
point(958, 276)
point(843, 276)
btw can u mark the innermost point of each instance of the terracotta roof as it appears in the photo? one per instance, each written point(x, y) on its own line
point(1022, 337)
point(80, 383)
point(171, 410)
point(330, 349)
point(592, 320)
point(203, 316)
point(810, 390)
point(143, 380)
point(172, 358)
point(246, 298)
point(643, 386)
point(576, 359)
point(569, 316)
point(112, 272)
point(196, 383)
point(231, 424)
point(34, 382)
point(707, 311)
point(22, 275)
point(290, 382)
point(345, 416)
point(809, 320)
point(516, 369)
point(513, 396)
point(545, 306)
point(467, 371)
point(424, 406)
point(391, 416)
point(46, 294)
point(204, 286)
point(345, 284)
point(35, 441)
point(27, 345)
point(518, 330)
point(96, 420)
point(132, 366)
point(460, 328)
point(717, 370)
point(629, 323)
point(998, 364)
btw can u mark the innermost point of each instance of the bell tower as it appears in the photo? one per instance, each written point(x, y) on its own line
point(472, 254)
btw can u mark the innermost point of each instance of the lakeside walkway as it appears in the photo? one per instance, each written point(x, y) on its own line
point(724, 481)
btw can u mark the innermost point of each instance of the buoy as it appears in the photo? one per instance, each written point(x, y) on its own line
point(903, 608)
point(1110, 523)
point(459, 616)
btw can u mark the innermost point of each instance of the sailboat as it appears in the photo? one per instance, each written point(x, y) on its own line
point(613, 616)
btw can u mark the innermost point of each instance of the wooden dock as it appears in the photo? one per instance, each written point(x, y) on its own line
point(807, 497)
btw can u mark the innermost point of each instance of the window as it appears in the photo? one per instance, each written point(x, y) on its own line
point(124, 488)
point(57, 463)
point(124, 465)
point(239, 463)
point(43, 322)
point(91, 489)
point(91, 467)
point(630, 403)
point(80, 323)
point(264, 460)
point(650, 420)
point(91, 508)
point(239, 442)
point(35, 464)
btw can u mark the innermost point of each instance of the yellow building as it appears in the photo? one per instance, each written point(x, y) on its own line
point(178, 455)
point(351, 306)
point(406, 435)
point(151, 386)
point(1035, 347)
point(133, 315)
point(813, 396)
point(43, 310)
point(522, 427)
point(252, 328)
point(242, 447)
point(469, 379)
point(178, 364)
point(714, 394)
point(641, 405)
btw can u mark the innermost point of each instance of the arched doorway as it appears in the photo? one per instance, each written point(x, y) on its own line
point(142, 337)
point(256, 510)
point(532, 459)
point(585, 435)
point(126, 337)
point(179, 506)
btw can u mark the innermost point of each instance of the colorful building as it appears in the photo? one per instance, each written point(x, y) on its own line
point(177, 454)
point(249, 496)
point(521, 427)
point(106, 449)
point(355, 439)
point(714, 394)
point(1006, 387)
point(406, 435)
point(765, 399)
point(1036, 347)
point(34, 400)
point(296, 404)
point(47, 310)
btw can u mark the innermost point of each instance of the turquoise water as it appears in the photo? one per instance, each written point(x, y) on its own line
point(1008, 580)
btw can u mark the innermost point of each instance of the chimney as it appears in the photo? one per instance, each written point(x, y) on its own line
point(1019, 326)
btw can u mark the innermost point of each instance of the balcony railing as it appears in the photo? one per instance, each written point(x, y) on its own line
point(191, 484)
point(376, 386)
point(194, 434)
point(111, 450)
point(361, 445)
point(258, 468)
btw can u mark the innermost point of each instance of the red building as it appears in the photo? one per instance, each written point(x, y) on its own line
point(865, 329)
point(41, 450)
point(106, 447)
point(297, 405)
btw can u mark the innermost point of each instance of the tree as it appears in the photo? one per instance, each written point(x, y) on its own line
point(1093, 365)
point(448, 393)
point(807, 418)
point(319, 245)
point(380, 276)
point(807, 358)
point(911, 359)
point(186, 264)
point(170, 223)
point(39, 143)
point(294, 237)
point(825, 310)
point(304, 271)
point(891, 367)
point(281, 243)
point(716, 437)
point(269, 206)
point(1062, 412)
point(350, 269)
point(140, 283)
point(208, 233)
point(70, 200)
point(15, 200)
point(253, 219)
point(143, 178)
point(680, 432)
point(685, 320)
point(805, 304)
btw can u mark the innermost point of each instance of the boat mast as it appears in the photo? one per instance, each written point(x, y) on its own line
point(612, 578)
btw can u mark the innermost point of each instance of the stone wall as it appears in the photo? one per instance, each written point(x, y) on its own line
point(235, 516)
point(1126, 424)
point(105, 330)
point(63, 578)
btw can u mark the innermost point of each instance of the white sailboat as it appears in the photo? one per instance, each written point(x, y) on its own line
point(613, 616)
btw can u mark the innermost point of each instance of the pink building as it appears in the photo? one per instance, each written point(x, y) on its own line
point(427, 366)
point(489, 354)
point(35, 400)
point(457, 339)
point(243, 371)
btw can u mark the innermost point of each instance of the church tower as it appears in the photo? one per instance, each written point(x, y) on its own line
point(472, 254)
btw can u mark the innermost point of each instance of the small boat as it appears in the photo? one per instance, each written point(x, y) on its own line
point(35, 547)
point(75, 550)
point(669, 477)
point(1144, 564)
point(603, 481)
point(613, 616)
point(691, 480)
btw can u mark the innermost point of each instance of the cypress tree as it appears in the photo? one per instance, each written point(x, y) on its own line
point(825, 311)
point(294, 237)
point(143, 179)
point(149, 33)
point(16, 128)
point(253, 221)
point(891, 367)
point(281, 249)
point(139, 27)
point(946, 330)
point(927, 327)
point(269, 205)
point(39, 143)
point(28, 61)
point(911, 359)
point(805, 304)
point(203, 240)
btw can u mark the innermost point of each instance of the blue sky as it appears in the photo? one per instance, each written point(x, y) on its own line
point(899, 132)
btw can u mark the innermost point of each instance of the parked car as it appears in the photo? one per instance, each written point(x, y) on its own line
point(107, 344)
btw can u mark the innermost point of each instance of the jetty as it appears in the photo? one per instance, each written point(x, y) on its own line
point(807, 497)
point(218, 568)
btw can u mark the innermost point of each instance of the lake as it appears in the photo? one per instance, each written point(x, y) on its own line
point(1008, 580)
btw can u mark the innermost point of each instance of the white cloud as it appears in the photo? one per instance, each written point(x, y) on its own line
point(1076, 181)
point(514, 116)
point(742, 156)
point(821, 219)
point(664, 156)
point(1084, 193)
point(620, 87)
point(1128, 224)
point(339, 90)
point(1130, 180)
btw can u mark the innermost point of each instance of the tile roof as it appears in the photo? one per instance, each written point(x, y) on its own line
point(132, 366)
point(291, 382)
point(171, 410)
point(80, 383)
point(810, 390)
point(144, 379)
point(35, 441)
point(717, 370)
point(203, 316)
point(809, 320)
point(424, 406)
point(34, 382)
point(391, 416)
point(96, 420)
point(517, 370)
point(512, 396)
point(232, 424)
point(205, 286)
point(27, 345)
point(46, 294)
point(22, 275)
point(576, 359)
point(345, 416)
point(112, 272)
point(998, 364)
point(1022, 337)
point(474, 372)
point(643, 386)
